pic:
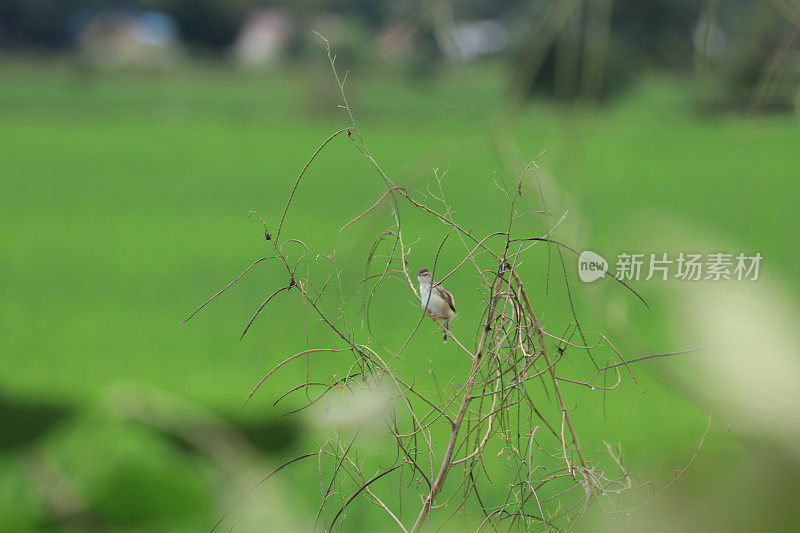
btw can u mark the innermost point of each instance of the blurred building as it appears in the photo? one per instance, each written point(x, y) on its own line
point(264, 37)
point(470, 40)
point(126, 37)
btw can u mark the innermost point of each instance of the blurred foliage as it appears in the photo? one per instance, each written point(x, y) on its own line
point(132, 194)
point(759, 68)
point(207, 23)
point(25, 423)
point(39, 23)
point(657, 31)
point(124, 205)
point(616, 39)
point(560, 48)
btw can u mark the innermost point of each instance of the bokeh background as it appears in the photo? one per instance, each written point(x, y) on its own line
point(135, 137)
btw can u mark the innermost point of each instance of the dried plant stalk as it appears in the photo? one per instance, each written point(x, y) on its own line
point(552, 480)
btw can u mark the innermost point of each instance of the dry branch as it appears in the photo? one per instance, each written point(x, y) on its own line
point(512, 389)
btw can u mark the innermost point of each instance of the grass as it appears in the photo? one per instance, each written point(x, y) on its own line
point(124, 203)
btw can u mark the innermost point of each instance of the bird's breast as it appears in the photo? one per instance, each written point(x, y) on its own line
point(424, 294)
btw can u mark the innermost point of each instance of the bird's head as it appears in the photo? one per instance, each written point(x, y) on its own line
point(425, 276)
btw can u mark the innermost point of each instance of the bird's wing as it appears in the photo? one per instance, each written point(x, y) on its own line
point(446, 296)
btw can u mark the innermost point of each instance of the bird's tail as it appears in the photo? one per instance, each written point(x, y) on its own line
point(445, 330)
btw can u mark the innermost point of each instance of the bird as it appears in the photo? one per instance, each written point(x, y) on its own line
point(436, 300)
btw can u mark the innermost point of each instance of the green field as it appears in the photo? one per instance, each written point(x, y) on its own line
point(124, 204)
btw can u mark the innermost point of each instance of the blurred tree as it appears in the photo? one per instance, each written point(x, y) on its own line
point(747, 57)
point(208, 23)
point(660, 31)
point(593, 48)
point(42, 24)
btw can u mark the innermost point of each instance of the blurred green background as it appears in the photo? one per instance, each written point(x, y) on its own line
point(136, 137)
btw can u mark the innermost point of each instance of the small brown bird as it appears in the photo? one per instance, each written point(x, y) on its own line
point(436, 300)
